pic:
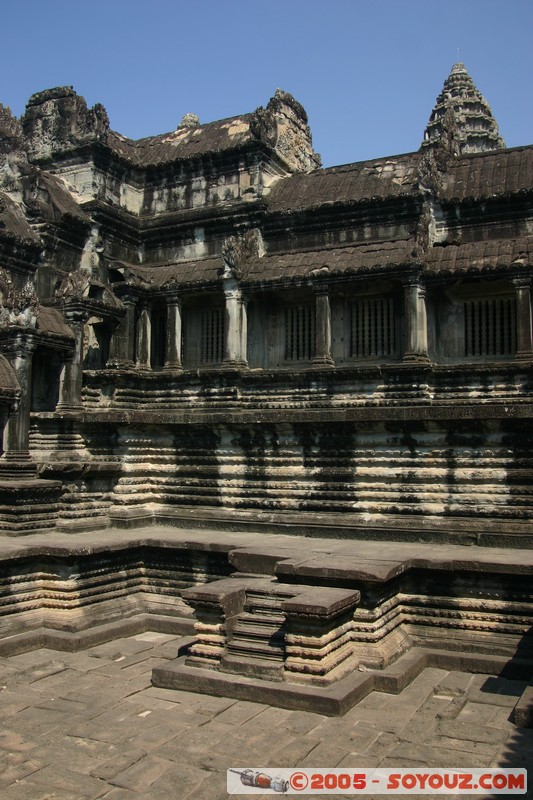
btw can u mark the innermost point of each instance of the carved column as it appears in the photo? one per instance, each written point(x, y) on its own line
point(16, 434)
point(524, 338)
point(71, 379)
point(173, 343)
point(416, 335)
point(123, 338)
point(323, 356)
point(235, 329)
point(144, 337)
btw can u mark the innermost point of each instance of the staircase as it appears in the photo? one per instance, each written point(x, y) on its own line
point(257, 643)
point(257, 627)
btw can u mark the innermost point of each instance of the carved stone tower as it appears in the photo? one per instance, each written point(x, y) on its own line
point(462, 119)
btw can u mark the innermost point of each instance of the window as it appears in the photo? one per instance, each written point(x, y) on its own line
point(300, 333)
point(372, 328)
point(490, 327)
point(212, 336)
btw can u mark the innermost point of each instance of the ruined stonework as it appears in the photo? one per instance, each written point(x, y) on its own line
point(206, 330)
point(205, 327)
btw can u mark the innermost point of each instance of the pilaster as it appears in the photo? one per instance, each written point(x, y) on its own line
point(123, 338)
point(524, 336)
point(173, 343)
point(16, 435)
point(416, 335)
point(71, 378)
point(235, 329)
point(323, 357)
point(144, 336)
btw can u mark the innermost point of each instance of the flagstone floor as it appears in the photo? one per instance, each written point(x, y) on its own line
point(87, 725)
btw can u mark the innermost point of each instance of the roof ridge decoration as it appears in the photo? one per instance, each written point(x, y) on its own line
point(189, 120)
point(59, 120)
point(283, 125)
point(461, 121)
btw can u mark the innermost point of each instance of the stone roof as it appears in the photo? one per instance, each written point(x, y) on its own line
point(206, 270)
point(58, 121)
point(54, 200)
point(475, 176)
point(45, 194)
point(324, 264)
point(13, 223)
point(185, 142)
point(367, 181)
point(481, 175)
point(331, 263)
point(9, 386)
point(50, 320)
point(481, 256)
point(306, 264)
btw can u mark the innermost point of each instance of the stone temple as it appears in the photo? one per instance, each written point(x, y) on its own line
point(291, 403)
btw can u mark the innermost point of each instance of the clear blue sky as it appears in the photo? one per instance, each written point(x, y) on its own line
point(367, 71)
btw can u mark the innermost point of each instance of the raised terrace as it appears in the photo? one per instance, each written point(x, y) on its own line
point(292, 401)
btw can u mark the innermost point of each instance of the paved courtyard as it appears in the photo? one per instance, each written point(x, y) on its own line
point(90, 725)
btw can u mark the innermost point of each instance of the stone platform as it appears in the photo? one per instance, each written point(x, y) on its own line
point(300, 622)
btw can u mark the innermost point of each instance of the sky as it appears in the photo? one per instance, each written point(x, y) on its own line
point(367, 71)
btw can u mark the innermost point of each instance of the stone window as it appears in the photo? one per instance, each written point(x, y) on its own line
point(300, 332)
point(212, 336)
point(490, 327)
point(372, 327)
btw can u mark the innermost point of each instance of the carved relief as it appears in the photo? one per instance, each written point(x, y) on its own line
point(17, 307)
point(58, 119)
point(283, 126)
point(74, 286)
point(238, 250)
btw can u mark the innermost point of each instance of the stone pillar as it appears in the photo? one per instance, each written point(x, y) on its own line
point(524, 338)
point(244, 332)
point(144, 337)
point(16, 433)
point(235, 329)
point(416, 334)
point(323, 356)
point(123, 338)
point(71, 379)
point(173, 343)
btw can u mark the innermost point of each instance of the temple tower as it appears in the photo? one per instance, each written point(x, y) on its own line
point(462, 118)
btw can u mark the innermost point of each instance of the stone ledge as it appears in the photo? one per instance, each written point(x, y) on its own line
point(522, 715)
point(81, 640)
point(417, 410)
point(322, 602)
point(336, 699)
point(469, 531)
point(255, 551)
point(227, 594)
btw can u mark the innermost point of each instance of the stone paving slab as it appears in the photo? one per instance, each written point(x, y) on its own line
point(78, 733)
